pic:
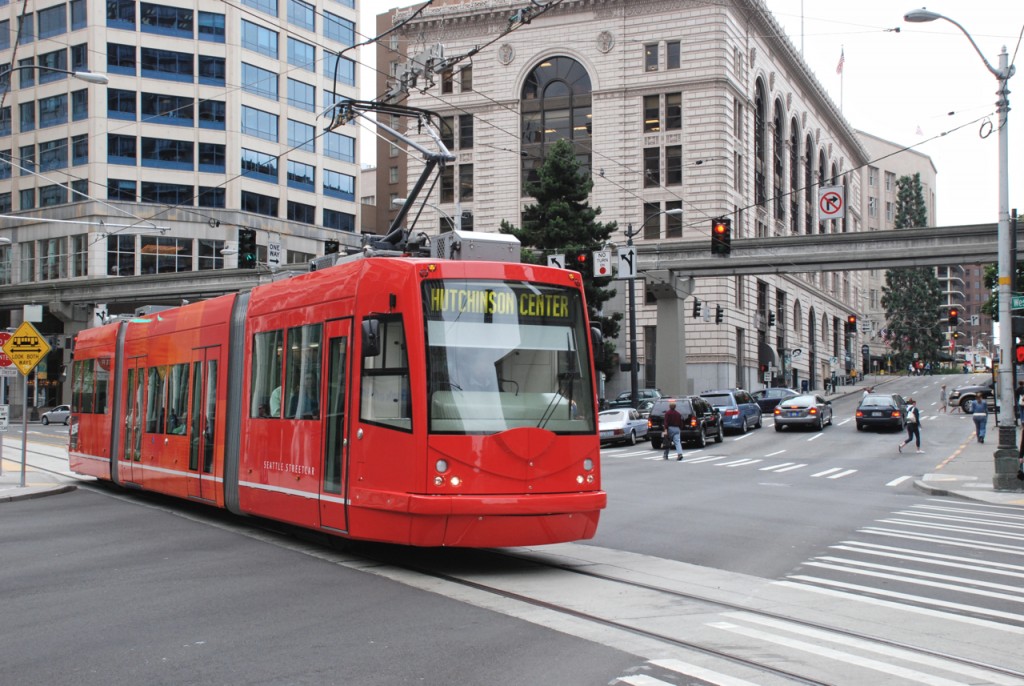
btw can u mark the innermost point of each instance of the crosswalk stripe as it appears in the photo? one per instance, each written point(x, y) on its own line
point(821, 562)
point(947, 540)
point(840, 475)
point(772, 467)
point(934, 559)
point(688, 669)
point(827, 472)
point(738, 463)
point(789, 469)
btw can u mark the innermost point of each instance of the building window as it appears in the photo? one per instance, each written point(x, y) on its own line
point(448, 184)
point(167, 64)
point(652, 220)
point(555, 104)
point(28, 198)
point(872, 176)
point(890, 181)
point(259, 204)
point(301, 176)
point(120, 255)
point(652, 167)
point(673, 165)
point(167, 194)
point(6, 277)
point(79, 105)
point(672, 54)
point(345, 73)
point(267, 6)
point(447, 81)
point(302, 14)
point(466, 79)
point(339, 221)
point(121, 149)
point(27, 112)
point(760, 147)
point(465, 131)
point(212, 114)
point(339, 147)
point(53, 195)
point(872, 207)
point(652, 113)
point(212, 157)
point(167, 109)
point(212, 196)
point(210, 27)
point(28, 261)
point(120, 59)
point(212, 70)
point(261, 82)
point(118, 189)
point(338, 185)
point(5, 168)
point(121, 14)
point(121, 104)
point(52, 21)
point(301, 136)
point(889, 213)
point(164, 254)
point(299, 212)
point(301, 95)
point(80, 190)
point(259, 39)
point(164, 20)
point(53, 111)
point(674, 223)
point(651, 57)
point(27, 153)
point(301, 55)
point(208, 253)
point(259, 165)
point(465, 182)
point(165, 153)
point(339, 29)
point(53, 155)
point(259, 124)
point(393, 175)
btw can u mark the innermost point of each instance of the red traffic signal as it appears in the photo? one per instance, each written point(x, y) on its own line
point(1019, 353)
point(721, 236)
point(954, 316)
point(851, 323)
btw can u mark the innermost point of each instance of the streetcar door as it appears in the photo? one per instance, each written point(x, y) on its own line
point(333, 487)
point(203, 423)
point(134, 413)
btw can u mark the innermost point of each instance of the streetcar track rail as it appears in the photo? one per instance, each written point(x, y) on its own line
point(394, 563)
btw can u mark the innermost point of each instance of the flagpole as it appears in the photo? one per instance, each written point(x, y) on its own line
point(839, 70)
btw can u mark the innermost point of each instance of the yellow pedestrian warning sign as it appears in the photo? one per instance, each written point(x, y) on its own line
point(26, 348)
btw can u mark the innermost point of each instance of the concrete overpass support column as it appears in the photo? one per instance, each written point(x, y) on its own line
point(670, 289)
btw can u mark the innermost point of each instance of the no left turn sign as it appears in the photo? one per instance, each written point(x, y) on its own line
point(831, 203)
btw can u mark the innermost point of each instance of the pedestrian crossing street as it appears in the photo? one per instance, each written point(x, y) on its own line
point(958, 560)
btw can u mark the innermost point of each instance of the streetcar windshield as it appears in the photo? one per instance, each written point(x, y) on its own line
point(506, 354)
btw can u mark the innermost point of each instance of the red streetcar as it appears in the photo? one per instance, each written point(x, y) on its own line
point(414, 401)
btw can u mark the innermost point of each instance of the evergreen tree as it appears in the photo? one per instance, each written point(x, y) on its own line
point(562, 220)
point(912, 297)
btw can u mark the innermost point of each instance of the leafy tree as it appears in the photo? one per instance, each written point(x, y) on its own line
point(562, 220)
point(912, 297)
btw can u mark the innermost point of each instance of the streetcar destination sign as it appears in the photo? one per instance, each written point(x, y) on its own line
point(26, 348)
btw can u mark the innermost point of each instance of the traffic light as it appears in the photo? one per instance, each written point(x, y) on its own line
point(247, 248)
point(851, 324)
point(719, 314)
point(721, 236)
point(1019, 353)
point(771, 319)
point(578, 260)
point(696, 308)
point(331, 247)
point(954, 316)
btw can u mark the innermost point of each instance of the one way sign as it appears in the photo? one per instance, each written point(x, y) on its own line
point(627, 263)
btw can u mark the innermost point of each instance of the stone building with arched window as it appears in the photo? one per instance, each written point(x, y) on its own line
point(705, 110)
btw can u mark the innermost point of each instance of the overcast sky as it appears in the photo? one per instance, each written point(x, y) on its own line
point(924, 87)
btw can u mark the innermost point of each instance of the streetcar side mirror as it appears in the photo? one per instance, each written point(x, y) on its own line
point(371, 337)
point(597, 342)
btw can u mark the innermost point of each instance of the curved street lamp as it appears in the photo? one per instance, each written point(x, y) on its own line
point(87, 76)
point(633, 380)
point(1006, 452)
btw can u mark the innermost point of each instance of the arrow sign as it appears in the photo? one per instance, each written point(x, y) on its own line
point(831, 202)
point(627, 263)
point(556, 261)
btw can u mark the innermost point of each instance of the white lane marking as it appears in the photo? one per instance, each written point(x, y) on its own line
point(772, 467)
point(789, 469)
point(738, 463)
point(897, 482)
point(840, 475)
point(827, 472)
point(777, 452)
point(681, 667)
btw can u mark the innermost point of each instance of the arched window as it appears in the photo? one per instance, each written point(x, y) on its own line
point(798, 319)
point(833, 180)
point(778, 136)
point(555, 104)
point(760, 163)
point(809, 185)
point(794, 177)
point(822, 170)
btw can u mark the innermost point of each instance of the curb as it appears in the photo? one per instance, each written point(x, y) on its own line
point(33, 492)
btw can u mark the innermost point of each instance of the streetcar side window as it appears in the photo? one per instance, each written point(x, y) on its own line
point(177, 400)
point(302, 370)
point(157, 394)
point(99, 381)
point(267, 368)
point(385, 386)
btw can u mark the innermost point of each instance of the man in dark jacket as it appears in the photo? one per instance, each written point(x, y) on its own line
point(673, 425)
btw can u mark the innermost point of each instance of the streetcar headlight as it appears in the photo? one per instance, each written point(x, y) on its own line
point(439, 481)
point(590, 478)
point(456, 481)
point(588, 464)
point(441, 466)
point(579, 478)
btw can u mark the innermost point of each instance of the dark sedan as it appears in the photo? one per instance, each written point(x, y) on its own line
point(887, 410)
point(768, 398)
point(810, 411)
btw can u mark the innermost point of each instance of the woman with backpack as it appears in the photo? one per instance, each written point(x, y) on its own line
point(913, 425)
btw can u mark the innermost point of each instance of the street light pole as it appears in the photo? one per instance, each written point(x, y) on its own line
point(634, 382)
point(1006, 452)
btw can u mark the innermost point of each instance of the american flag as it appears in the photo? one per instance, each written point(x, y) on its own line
point(842, 61)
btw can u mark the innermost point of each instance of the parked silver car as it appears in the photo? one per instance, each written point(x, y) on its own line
point(60, 414)
point(622, 426)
